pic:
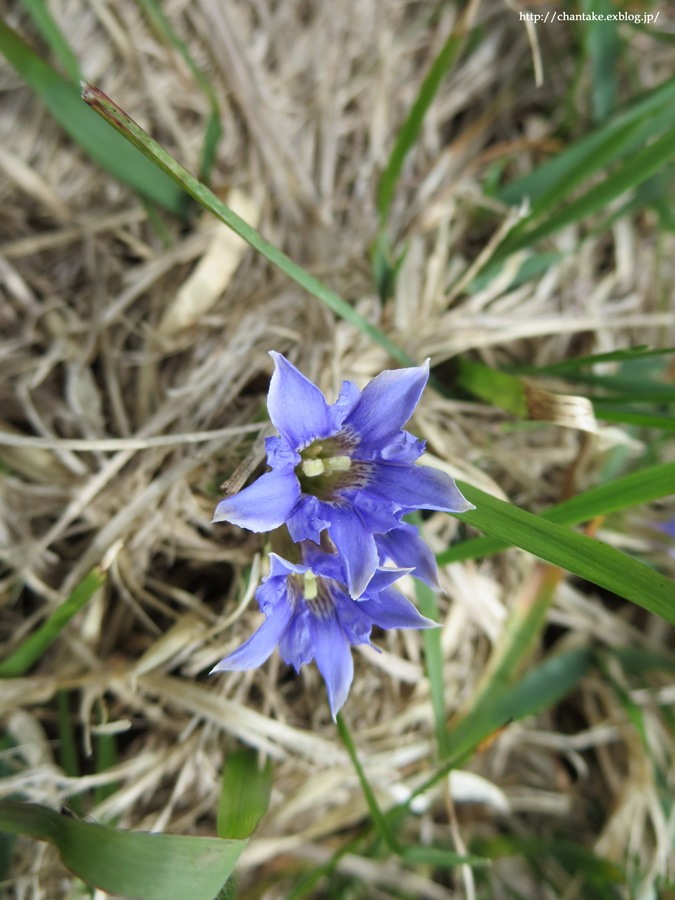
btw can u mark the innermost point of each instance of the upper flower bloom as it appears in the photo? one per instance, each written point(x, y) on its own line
point(310, 615)
point(346, 467)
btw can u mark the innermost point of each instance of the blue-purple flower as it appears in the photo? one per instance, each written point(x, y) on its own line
point(346, 468)
point(310, 615)
point(405, 548)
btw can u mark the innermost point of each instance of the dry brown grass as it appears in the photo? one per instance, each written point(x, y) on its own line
point(132, 369)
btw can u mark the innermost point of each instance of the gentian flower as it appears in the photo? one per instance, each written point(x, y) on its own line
point(310, 615)
point(406, 549)
point(348, 468)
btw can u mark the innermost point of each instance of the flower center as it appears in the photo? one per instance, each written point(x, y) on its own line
point(325, 467)
point(315, 592)
point(313, 467)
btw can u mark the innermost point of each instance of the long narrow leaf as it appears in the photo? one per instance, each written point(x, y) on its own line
point(655, 111)
point(129, 864)
point(126, 126)
point(244, 795)
point(540, 688)
point(580, 362)
point(631, 490)
point(589, 558)
point(33, 647)
point(634, 417)
point(214, 129)
point(50, 31)
point(410, 130)
point(635, 170)
point(109, 150)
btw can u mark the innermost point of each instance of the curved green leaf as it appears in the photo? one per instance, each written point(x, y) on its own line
point(631, 490)
point(135, 865)
point(109, 150)
point(245, 794)
point(587, 557)
point(37, 643)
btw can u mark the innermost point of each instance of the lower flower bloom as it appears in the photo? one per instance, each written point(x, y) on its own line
point(310, 615)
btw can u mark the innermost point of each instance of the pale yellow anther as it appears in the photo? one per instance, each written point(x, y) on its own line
point(313, 467)
point(311, 588)
point(338, 463)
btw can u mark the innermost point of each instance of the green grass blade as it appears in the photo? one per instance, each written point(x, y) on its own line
point(506, 391)
point(603, 47)
point(640, 487)
point(580, 362)
point(34, 646)
point(68, 755)
point(129, 864)
point(655, 111)
point(410, 130)
point(645, 390)
point(583, 556)
point(575, 856)
point(440, 859)
point(50, 31)
point(109, 150)
point(540, 688)
point(638, 660)
point(632, 172)
point(560, 190)
point(105, 757)
point(214, 129)
point(605, 412)
point(133, 133)
point(245, 794)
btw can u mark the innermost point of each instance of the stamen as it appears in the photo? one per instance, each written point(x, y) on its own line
point(313, 467)
point(338, 463)
point(311, 588)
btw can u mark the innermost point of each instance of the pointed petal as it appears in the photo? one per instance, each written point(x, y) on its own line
point(334, 658)
point(384, 577)
point(328, 565)
point(310, 517)
point(378, 515)
point(355, 622)
point(296, 645)
point(386, 404)
point(390, 609)
point(405, 547)
point(296, 406)
point(345, 403)
point(280, 455)
point(260, 645)
point(417, 487)
point(356, 547)
point(280, 567)
point(264, 505)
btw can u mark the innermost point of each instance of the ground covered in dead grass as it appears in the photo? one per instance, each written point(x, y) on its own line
point(133, 353)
